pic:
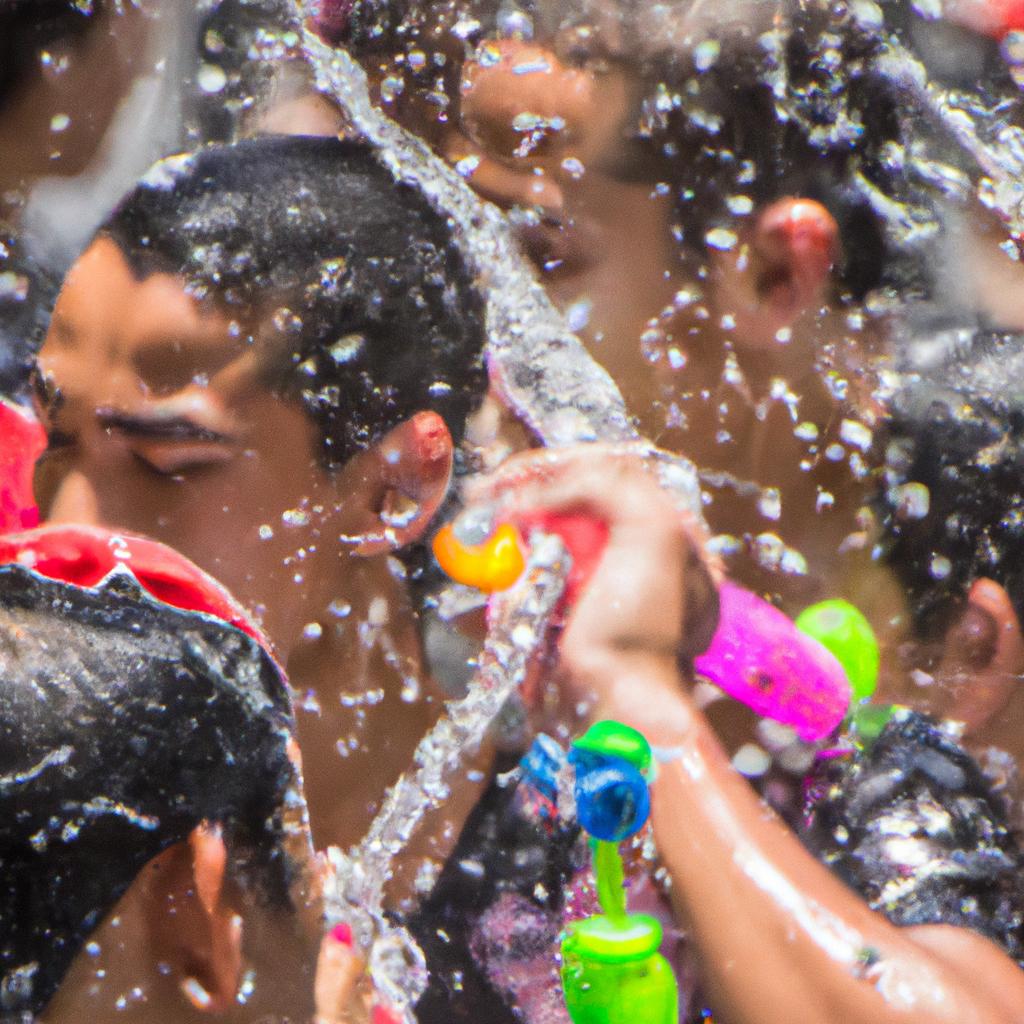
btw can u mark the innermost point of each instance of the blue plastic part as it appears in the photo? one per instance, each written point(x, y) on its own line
point(541, 764)
point(612, 798)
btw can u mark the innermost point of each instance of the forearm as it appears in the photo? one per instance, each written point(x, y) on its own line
point(778, 936)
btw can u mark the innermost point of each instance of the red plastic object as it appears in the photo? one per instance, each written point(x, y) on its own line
point(584, 536)
point(22, 440)
point(84, 555)
point(384, 1015)
point(994, 18)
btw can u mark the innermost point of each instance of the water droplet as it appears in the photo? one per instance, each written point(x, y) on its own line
point(295, 517)
point(940, 567)
point(769, 504)
point(912, 500)
point(391, 88)
point(266, 531)
point(573, 167)
point(312, 631)
point(13, 287)
point(531, 67)
point(722, 239)
point(378, 613)
point(466, 27)
point(467, 165)
point(347, 347)
point(751, 760)
point(578, 314)
point(211, 78)
point(855, 434)
point(59, 123)
point(705, 54)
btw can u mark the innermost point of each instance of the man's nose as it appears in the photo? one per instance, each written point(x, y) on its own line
point(75, 501)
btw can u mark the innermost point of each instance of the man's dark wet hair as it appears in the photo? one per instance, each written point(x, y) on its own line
point(952, 502)
point(827, 102)
point(356, 269)
point(148, 722)
point(746, 102)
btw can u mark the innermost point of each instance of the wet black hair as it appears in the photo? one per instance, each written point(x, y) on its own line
point(356, 269)
point(952, 504)
point(818, 101)
point(755, 101)
point(27, 26)
point(149, 722)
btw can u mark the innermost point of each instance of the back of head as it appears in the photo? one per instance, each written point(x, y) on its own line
point(149, 721)
point(952, 503)
point(356, 272)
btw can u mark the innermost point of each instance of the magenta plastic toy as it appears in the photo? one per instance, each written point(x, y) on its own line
point(759, 657)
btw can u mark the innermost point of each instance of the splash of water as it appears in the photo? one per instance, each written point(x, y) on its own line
point(519, 623)
point(541, 367)
point(550, 381)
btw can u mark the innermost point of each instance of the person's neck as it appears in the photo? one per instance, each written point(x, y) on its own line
point(362, 699)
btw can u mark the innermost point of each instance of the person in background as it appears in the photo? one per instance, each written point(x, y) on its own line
point(711, 196)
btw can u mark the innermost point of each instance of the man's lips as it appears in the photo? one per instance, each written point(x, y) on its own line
point(84, 555)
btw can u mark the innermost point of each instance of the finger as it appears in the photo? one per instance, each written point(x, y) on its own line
point(614, 483)
point(338, 971)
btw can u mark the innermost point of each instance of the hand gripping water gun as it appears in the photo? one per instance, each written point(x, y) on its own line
point(612, 972)
point(802, 674)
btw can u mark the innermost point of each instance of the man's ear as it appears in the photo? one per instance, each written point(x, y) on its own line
point(983, 656)
point(794, 248)
point(406, 477)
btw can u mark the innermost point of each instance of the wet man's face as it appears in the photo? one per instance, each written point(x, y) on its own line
point(160, 423)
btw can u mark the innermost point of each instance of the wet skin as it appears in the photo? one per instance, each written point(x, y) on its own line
point(599, 229)
point(161, 423)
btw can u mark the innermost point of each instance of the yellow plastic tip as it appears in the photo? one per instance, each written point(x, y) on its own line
point(494, 565)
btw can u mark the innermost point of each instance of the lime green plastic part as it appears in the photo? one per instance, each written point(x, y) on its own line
point(602, 940)
point(617, 740)
point(841, 628)
point(638, 991)
point(868, 721)
point(608, 871)
point(612, 972)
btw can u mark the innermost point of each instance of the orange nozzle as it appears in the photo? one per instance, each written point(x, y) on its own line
point(493, 565)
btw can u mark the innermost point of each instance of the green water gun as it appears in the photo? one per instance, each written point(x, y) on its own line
point(612, 972)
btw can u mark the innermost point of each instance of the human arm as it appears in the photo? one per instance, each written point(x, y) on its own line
point(778, 936)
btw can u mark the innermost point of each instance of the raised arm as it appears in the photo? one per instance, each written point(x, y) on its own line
point(779, 937)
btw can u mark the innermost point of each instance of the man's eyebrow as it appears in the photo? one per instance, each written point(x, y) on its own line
point(159, 428)
point(46, 393)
